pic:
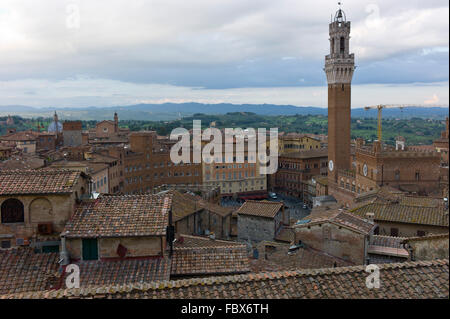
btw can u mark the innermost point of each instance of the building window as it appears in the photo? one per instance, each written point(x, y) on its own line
point(417, 176)
point(397, 175)
point(90, 249)
point(6, 244)
point(420, 233)
point(12, 211)
point(394, 232)
point(342, 45)
point(376, 231)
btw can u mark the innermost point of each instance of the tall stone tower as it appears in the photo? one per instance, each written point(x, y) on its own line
point(116, 122)
point(339, 67)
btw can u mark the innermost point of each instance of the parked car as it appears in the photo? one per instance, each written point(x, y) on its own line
point(273, 195)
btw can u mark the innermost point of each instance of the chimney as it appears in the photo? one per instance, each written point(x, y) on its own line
point(371, 217)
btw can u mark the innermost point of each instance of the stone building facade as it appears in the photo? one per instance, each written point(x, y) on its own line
point(35, 205)
point(336, 233)
point(117, 226)
point(260, 220)
point(297, 168)
point(72, 133)
point(427, 247)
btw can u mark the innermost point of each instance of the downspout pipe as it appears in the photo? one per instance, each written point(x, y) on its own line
point(64, 254)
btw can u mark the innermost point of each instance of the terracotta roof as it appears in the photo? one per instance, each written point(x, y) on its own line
point(121, 272)
point(23, 270)
point(188, 241)
point(121, 216)
point(434, 216)
point(20, 136)
point(275, 256)
point(420, 201)
point(182, 205)
point(216, 209)
point(386, 246)
point(387, 241)
point(18, 182)
point(18, 162)
point(221, 258)
point(422, 279)
point(382, 194)
point(427, 237)
point(339, 218)
point(260, 208)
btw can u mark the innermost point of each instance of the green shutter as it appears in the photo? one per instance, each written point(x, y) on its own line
point(90, 249)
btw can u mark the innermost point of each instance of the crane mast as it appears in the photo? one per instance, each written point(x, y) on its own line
point(380, 108)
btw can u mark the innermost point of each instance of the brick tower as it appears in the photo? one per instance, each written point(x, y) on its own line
point(339, 67)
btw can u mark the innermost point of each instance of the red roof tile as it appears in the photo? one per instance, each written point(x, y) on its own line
point(23, 270)
point(120, 272)
point(409, 280)
point(194, 255)
point(19, 182)
point(121, 216)
point(260, 208)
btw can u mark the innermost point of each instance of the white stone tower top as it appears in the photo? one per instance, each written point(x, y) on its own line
point(339, 64)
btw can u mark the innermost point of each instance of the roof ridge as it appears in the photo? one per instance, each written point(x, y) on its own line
point(210, 247)
point(262, 201)
point(208, 239)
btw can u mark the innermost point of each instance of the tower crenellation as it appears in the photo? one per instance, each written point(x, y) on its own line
point(340, 63)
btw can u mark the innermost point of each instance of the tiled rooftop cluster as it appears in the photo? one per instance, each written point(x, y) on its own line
point(14, 182)
point(398, 280)
point(197, 256)
point(274, 257)
point(260, 208)
point(436, 216)
point(121, 272)
point(23, 270)
point(121, 215)
point(340, 218)
point(185, 204)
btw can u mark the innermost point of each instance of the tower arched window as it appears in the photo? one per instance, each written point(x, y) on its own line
point(342, 45)
point(12, 211)
point(332, 46)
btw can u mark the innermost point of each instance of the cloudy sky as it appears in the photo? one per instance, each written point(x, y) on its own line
point(120, 52)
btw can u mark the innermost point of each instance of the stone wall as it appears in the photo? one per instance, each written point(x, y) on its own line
point(198, 223)
point(334, 240)
point(39, 209)
point(255, 228)
point(430, 248)
point(408, 230)
point(107, 247)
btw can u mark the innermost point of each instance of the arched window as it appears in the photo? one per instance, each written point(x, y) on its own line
point(12, 211)
point(342, 45)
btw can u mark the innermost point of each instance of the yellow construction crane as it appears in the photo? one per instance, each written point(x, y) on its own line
point(380, 107)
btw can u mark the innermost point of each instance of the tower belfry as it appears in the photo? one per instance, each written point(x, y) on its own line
point(339, 67)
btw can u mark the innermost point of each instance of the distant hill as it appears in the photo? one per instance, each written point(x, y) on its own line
point(172, 111)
